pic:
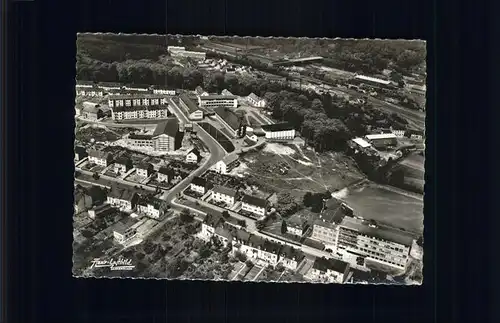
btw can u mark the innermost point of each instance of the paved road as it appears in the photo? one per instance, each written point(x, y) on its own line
point(216, 154)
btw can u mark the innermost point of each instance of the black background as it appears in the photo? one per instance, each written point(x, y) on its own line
point(38, 143)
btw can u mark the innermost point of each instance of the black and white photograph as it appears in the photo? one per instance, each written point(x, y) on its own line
point(253, 159)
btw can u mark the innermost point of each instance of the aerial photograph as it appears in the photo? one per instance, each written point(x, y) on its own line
point(253, 159)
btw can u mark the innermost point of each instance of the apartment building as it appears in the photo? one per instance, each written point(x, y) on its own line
point(166, 137)
point(328, 271)
point(123, 232)
point(256, 101)
point(157, 90)
point(254, 205)
point(224, 194)
point(151, 206)
point(209, 224)
point(140, 112)
point(100, 157)
point(227, 164)
point(325, 228)
point(279, 131)
point(212, 101)
point(136, 100)
point(194, 112)
point(382, 140)
point(368, 241)
point(100, 211)
point(123, 198)
point(92, 92)
point(200, 185)
point(290, 257)
point(295, 226)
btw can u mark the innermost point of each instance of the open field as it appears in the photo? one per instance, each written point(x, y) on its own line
point(386, 205)
point(278, 168)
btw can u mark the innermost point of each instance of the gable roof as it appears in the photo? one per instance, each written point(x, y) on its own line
point(123, 160)
point(213, 220)
point(166, 171)
point(256, 242)
point(224, 190)
point(254, 200)
point(323, 264)
point(198, 181)
point(223, 232)
point(153, 201)
point(253, 96)
point(122, 194)
point(99, 154)
point(199, 90)
point(231, 118)
point(271, 246)
point(229, 159)
point(169, 128)
point(242, 235)
point(191, 105)
point(146, 166)
point(277, 127)
point(194, 151)
point(227, 93)
point(291, 253)
point(80, 150)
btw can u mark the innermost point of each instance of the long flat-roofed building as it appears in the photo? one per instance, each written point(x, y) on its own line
point(231, 121)
point(376, 243)
point(218, 101)
point(136, 100)
point(382, 140)
point(194, 112)
point(166, 137)
point(279, 131)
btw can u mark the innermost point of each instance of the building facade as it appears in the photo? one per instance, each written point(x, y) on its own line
point(224, 194)
point(152, 207)
point(123, 199)
point(227, 164)
point(279, 131)
point(194, 112)
point(100, 158)
point(212, 101)
point(328, 271)
point(165, 174)
point(254, 205)
point(256, 101)
point(193, 156)
point(200, 185)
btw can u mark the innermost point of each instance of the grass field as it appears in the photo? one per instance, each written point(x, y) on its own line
point(387, 205)
point(280, 168)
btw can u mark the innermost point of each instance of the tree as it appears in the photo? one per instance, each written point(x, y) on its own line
point(249, 263)
point(317, 105)
point(284, 228)
point(225, 214)
point(186, 216)
point(140, 256)
point(307, 199)
point(95, 176)
point(149, 247)
point(420, 241)
point(242, 223)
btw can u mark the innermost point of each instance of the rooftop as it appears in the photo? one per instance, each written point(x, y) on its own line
point(199, 90)
point(140, 136)
point(122, 194)
point(291, 253)
point(99, 154)
point(229, 159)
point(253, 96)
point(80, 150)
point(169, 127)
point(153, 201)
point(223, 232)
point(231, 118)
point(213, 220)
point(271, 246)
point(218, 97)
point(139, 108)
point(323, 264)
point(191, 105)
point(381, 136)
point(277, 127)
point(195, 151)
point(166, 170)
point(242, 235)
point(144, 166)
point(256, 242)
point(361, 142)
point(102, 208)
point(378, 232)
point(226, 93)
point(134, 96)
point(123, 160)
point(224, 190)
point(254, 200)
point(372, 79)
point(198, 181)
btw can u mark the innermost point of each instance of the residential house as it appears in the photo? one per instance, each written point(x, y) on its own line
point(167, 136)
point(100, 211)
point(151, 206)
point(193, 156)
point(223, 234)
point(256, 101)
point(200, 92)
point(360, 239)
point(144, 169)
point(226, 92)
point(295, 226)
point(328, 271)
point(209, 224)
point(200, 185)
point(253, 204)
point(211, 101)
point(279, 131)
point(227, 164)
point(290, 257)
point(83, 201)
point(235, 124)
point(123, 198)
point(165, 174)
point(80, 153)
point(100, 158)
point(194, 112)
point(224, 194)
point(261, 250)
point(92, 113)
point(123, 165)
point(123, 232)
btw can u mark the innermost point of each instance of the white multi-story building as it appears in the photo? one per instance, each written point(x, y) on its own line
point(399, 133)
point(93, 91)
point(144, 169)
point(164, 91)
point(328, 271)
point(254, 205)
point(122, 165)
point(123, 234)
point(358, 238)
point(166, 137)
point(225, 165)
point(279, 131)
point(165, 174)
point(256, 101)
point(193, 156)
point(140, 112)
point(100, 158)
point(209, 224)
point(224, 194)
point(137, 100)
point(212, 101)
point(194, 112)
